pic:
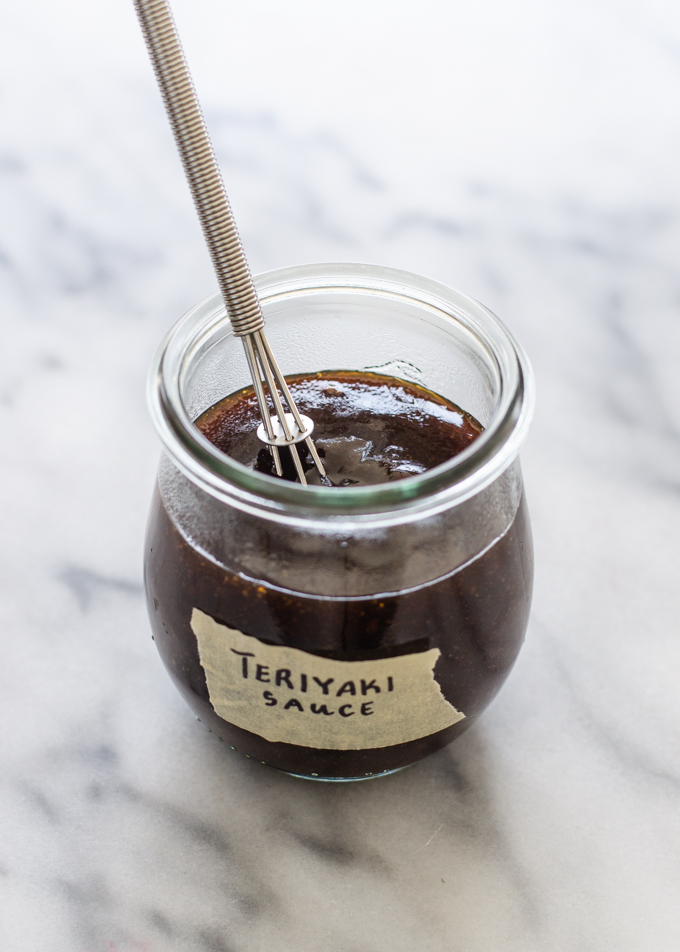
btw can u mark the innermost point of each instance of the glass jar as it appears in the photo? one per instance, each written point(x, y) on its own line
point(341, 633)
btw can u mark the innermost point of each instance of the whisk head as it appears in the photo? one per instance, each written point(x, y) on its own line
point(281, 429)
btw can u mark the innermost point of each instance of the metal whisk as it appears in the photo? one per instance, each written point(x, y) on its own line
point(221, 235)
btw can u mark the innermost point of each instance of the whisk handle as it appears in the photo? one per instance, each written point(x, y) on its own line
point(200, 166)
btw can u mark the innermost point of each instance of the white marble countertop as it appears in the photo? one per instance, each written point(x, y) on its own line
point(526, 153)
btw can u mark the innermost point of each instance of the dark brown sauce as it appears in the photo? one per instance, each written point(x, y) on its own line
point(368, 428)
point(476, 617)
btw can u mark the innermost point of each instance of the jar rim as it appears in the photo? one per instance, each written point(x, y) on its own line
point(451, 482)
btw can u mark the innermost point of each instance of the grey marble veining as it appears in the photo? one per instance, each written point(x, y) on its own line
point(535, 168)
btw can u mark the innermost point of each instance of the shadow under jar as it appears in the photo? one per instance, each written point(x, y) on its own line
point(341, 633)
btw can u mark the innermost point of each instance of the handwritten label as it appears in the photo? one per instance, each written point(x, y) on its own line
point(284, 694)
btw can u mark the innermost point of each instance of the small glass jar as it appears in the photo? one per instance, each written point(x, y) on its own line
point(341, 633)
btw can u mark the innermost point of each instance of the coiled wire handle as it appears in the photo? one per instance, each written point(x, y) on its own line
point(200, 166)
point(221, 235)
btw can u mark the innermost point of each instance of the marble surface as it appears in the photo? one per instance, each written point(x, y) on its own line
point(526, 153)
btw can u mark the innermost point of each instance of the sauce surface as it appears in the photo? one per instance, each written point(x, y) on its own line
point(368, 428)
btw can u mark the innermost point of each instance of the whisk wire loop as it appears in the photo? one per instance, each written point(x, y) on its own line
point(262, 402)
